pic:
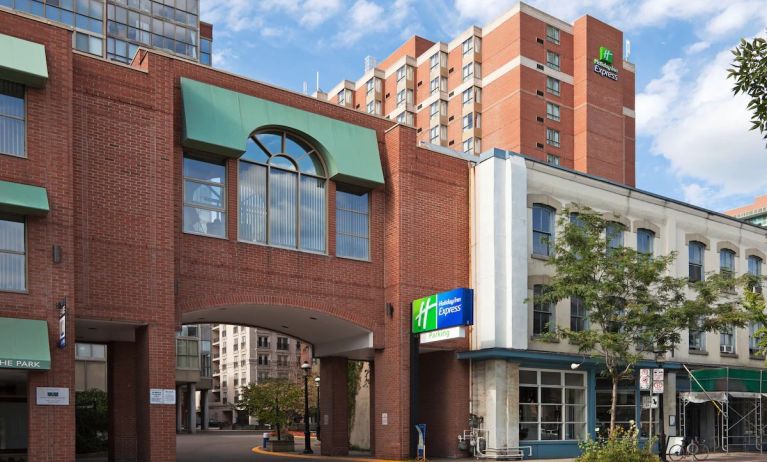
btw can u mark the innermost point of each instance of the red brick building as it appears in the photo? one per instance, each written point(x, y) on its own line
point(165, 192)
point(527, 82)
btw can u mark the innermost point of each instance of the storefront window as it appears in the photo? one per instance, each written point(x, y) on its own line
point(552, 405)
point(625, 411)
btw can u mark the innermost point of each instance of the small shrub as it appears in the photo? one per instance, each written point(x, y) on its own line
point(622, 446)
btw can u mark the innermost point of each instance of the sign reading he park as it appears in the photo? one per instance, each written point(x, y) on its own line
point(443, 310)
point(604, 65)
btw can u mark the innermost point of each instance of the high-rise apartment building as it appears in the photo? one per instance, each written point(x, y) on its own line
point(527, 82)
point(115, 29)
point(754, 213)
point(244, 355)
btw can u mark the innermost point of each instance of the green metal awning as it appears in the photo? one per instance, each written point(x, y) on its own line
point(24, 344)
point(23, 199)
point(22, 61)
point(220, 121)
point(728, 379)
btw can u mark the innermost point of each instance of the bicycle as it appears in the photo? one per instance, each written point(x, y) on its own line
point(695, 449)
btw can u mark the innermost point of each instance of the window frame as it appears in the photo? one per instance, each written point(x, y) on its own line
point(580, 318)
point(555, 112)
point(24, 119)
point(224, 194)
point(563, 403)
point(23, 221)
point(554, 139)
point(550, 88)
point(340, 188)
point(552, 34)
point(553, 60)
point(553, 159)
point(299, 174)
point(543, 328)
point(727, 257)
point(702, 247)
point(648, 233)
point(550, 233)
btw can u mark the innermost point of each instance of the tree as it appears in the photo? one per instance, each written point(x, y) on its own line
point(273, 401)
point(753, 300)
point(635, 307)
point(749, 69)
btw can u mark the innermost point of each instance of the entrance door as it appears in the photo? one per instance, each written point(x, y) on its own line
point(13, 415)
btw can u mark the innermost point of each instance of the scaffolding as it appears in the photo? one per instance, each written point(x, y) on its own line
point(736, 395)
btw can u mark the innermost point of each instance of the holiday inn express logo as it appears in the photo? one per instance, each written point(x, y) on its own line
point(606, 55)
point(604, 64)
point(443, 310)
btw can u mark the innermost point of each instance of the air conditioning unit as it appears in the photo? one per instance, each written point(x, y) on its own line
point(727, 349)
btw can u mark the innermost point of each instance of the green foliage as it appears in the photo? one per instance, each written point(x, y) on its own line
point(623, 446)
point(353, 369)
point(92, 421)
point(635, 307)
point(753, 301)
point(749, 70)
point(275, 402)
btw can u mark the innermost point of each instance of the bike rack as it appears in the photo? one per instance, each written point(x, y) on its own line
point(477, 440)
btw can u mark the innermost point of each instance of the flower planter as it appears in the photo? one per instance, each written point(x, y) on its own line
point(281, 446)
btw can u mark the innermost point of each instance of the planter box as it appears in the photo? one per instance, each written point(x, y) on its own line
point(281, 446)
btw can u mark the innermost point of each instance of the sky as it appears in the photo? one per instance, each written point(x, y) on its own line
point(693, 137)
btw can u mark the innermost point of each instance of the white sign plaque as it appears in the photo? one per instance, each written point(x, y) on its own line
point(657, 387)
point(657, 374)
point(443, 334)
point(169, 396)
point(384, 419)
point(51, 396)
point(649, 402)
point(155, 396)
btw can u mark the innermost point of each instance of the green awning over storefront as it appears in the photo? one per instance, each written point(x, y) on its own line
point(22, 61)
point(23, 199)
point(220, 121)
point(24, 344)
point(727, 379)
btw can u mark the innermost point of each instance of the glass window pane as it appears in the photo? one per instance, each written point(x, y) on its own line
point(272, 141)
point(12, 271)
point(313, 214)
point(575, 396)
point(254, 152)
point(528, 431)
point(203, 194)
point(310, 164)
point(282, 162)
point(202, 170)
point(551, 378)
point(528, 413)
point(12, 235)
point(98, 351)
point(204, 221)
point(551, 431)
point(574, 380)
point(282, 208)
point(12, 136)
point(252, 202)
point(528, 377)
point(551, 413)
point(551, 395)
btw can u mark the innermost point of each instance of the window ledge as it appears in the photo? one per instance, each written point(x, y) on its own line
point(757, 357)
point(728, 355)
point(698, 352)
point(543, 338)
point(536, 256)
point(212, 236)
point(362, 260)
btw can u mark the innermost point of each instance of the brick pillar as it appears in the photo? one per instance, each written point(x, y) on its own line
point(51, 429)
point(333, 407)
point(392, 438)
point(155, 368)
point(121, 380)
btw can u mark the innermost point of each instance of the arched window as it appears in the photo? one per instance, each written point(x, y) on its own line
point(282, 185)
point(696, 252)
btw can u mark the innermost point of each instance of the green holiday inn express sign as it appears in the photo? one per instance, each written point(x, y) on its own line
point(443, 310)
point(604, 65)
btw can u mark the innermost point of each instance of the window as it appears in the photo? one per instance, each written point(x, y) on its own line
point(727, 262)
point(477, 145)
point(206, 51)
point(696, 252)
point(434, 108)
point(614, 235)
point(263, 360)
point(468, 45)
point(405, 118)
point(552, 405)
point(543, 313)
point(645, 241)
point(552, 34)
point(204, 197)
point(434, 135)
point(727, 340)
point(401, 73)
point(282, 360)
point(434, 85)
point(187, 353)
point(468, 71)
point(370, 85)
point(755, 269)
point(625, 408)
point(371, 107)
point(12, 119)
point(543, 229)
point(342, 97)
point(400, 97)
point(434, 60)
point(282, 193)
point(552, 60)
point(471, 94)
point(552, 137)
point(282, 343)
point(468, 121)
point(13, 254)
point(551, 159)
point(753, 339)
point(577, 314)
point(468, 146)
point(552, 85)
point(697, 338)
point(352, 224)
point(552, 111)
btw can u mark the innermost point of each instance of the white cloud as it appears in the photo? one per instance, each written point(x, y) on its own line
point(702, 130)
point(316, 12)
point(697, 47)
point(366, 17)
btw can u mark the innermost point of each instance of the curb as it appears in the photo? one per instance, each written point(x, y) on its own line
point(293, 455)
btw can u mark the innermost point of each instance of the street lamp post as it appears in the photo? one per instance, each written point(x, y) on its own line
point(317, 382)
point(307, 436)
